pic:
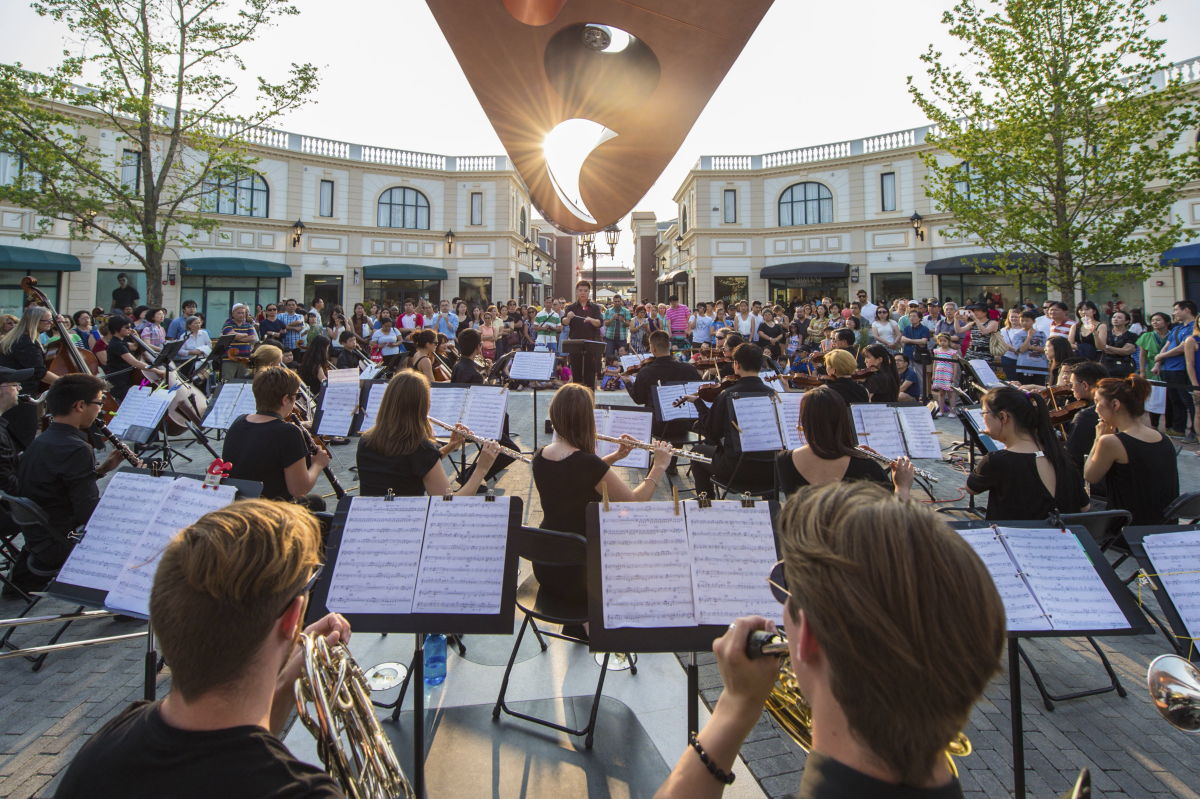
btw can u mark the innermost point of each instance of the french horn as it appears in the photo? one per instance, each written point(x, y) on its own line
point(1174, 685)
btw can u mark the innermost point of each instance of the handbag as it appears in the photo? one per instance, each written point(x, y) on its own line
point(998, 345)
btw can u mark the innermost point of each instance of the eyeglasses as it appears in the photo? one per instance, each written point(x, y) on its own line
point(778, 582)
point(98, 403)
point(305, 589)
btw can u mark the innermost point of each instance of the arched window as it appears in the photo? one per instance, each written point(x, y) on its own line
point(403, 207)
point(683, 219)
point(805, 204)
point(239, 192)
point(524, 223)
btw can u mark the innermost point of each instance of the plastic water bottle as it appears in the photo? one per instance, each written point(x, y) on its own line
point(435, 659)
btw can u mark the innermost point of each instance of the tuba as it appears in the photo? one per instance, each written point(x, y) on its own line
point(1174, 685)
point(350, 741)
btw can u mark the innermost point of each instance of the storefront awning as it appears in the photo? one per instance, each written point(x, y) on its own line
point(1183, 255)
point(976, 261)
point(678, 276)
point(403, 272)
point(27, 259)
point(529, 277)
point(233, 267)
point(805, 269)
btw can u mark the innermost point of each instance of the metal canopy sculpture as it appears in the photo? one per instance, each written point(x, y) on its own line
point(628, 76)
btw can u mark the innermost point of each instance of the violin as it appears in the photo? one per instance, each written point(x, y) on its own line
point(710, 391)
point(1065, 414)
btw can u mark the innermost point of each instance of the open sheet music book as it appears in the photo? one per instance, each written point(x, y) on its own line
point(633, 359)
point(665, 395)
point(614, 420)
point(1046, 579)
point(140, 413)
point(704, 565)
point(984, 373)
point(371, 406)
point(481, 408)
point(767, 422)
point(896, 430)
point(409, 555)
point(338, 407)
point(1176, 561)
point(234, 398)
point(532, 366)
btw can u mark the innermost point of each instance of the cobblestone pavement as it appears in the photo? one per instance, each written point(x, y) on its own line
point(46, 716)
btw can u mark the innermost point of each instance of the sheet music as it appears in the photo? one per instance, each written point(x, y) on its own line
point(759, 426)
point(339, 401)
point(668, 393)
point(232, 400)
point(1021, 609)
point(484, 411)
point(976, 416)
point(185, 502)
point(376, 569)
point(1178, 552)
point(97, 560)
point(446, 405)
point(633, 359)
point(342, 375)
point(1157, 401)
point(788, 410)
point(1064, 580)
point(532, 366)
point(983, 370)
point(369, 371)
point(615, 422)
point(142, 407)
point(778, 385)
point(920, 436)
point(462, 562)
point(732, 552)
point(877, 428)
point(645, 579)
point(374, 398)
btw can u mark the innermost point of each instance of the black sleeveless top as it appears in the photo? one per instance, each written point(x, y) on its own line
point(1148, 483)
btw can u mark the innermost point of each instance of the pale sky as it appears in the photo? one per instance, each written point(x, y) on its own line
point(813, 72)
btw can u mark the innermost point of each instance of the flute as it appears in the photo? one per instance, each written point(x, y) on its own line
point(675, 453)
point(886, 461)
point(469, 436)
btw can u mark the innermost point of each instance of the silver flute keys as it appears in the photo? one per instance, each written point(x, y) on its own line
point(675, 453)
point(469, 436)
point(886, 461)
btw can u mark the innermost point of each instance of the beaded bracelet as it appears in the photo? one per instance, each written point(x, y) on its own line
point(712, 767)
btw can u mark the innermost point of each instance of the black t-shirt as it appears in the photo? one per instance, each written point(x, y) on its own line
point(789, 480)
point(826, 778)
point(262, 450)
point(466, 371)
point(579, 326)
point(882, 386)
point(404, 474)
point(851, 391)
point(1016, 492)
point(272, 326)
point(125, 297)
point(138, 755)
point(566, 487)
point(117, 349)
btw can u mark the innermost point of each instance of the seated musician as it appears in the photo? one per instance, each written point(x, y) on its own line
point(399, 452)
point(894, 631)
point(569, 474)
point(829, 454)
point(422, 358)
point(245, 336)
point(1032, 476)
point(1082, 432)
point(263, 447)
point(58, 471)
point(466, 370)
point(10, 387)
point(228, 604)
point(727, 342)
point(350, 356)
point(882, 384)
point(661, 369)
point(754, 469)
point(265, 356)
point(21, 348)
point(840, 365)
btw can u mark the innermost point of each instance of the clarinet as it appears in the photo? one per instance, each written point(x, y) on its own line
point(119, 445)
point(315, 444)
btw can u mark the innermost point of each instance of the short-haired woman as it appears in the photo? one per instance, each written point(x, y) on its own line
point(884, 331)
point(399, 451)
point(840, 365)
point(422, 359)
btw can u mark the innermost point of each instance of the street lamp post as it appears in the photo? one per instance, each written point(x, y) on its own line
point(587, 246)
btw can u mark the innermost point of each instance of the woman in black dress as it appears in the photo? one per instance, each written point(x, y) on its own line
point(568, 474)
point(399, 451)
point(1137, 463)
point(840, 365)
point(21, 349)
point(1033, 476)
point(829, 456)
point(316, 364)
point(883, 384)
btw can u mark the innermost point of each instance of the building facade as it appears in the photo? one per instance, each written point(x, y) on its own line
point(833, 219)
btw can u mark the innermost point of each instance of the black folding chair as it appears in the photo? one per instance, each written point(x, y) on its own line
point(1185, 506)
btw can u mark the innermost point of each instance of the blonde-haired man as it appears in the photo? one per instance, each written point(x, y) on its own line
point(894, 629)
point(228, 606)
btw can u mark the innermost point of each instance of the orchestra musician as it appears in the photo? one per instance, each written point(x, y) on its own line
point(266, 355)
point(20, 348)
point(720, 441)
point(350, 356)
point(422, 358)
point(466, 370)
point(840, 365)
point(584, 319)
point(228, 600)
point(569, 474)
point(315, 366)
point(1032, 476)
point(662, 368)
point(399, 451)
point(829, 454)
point(10, 387)
point(882, 384)
point(263, 447)
point(58, 471)
point(894, 630)
point(1082, 433)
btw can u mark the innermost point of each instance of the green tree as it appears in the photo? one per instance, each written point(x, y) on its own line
point(162, 79)
point(1063, 136)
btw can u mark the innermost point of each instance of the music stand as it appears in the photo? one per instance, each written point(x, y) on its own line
point(588, 355)
point(1177, 631)
point(538, 373)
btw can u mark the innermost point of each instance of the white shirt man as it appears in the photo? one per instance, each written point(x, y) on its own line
point(410, 320)
point(548, 324)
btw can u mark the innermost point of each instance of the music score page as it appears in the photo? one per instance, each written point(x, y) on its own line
point(1176, 561)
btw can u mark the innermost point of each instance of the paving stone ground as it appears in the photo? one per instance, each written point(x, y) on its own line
point(46, 716)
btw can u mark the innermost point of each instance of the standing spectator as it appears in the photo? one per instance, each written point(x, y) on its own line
point(89, 336)
point(124, 295)
point(981, 328)
point(245, 336)
point(866, 307)
point(1170, 365)
point(1082, 335)
point(360, 324)
point(771, 335)
point(616, 332)
point(915, 339)
point(317, 308)
point(700, 325)
point(639, 331)
point(1117, 345)
point(1013, 335)
point(945, 374)
point(1057, 323)
point(410, 320)
point(337, 326)
point(151, 331)
point(293, 324)
point(548, 324)
point(491, 333)
point(445, 321)
point(744, 323)
point(272, 328)
point(1032, 366)
point(1149, 344)
point(514, 328)
point(816, 326)
point(386, 338)
point(677, 319)
point(178, 327)
point(884, 331)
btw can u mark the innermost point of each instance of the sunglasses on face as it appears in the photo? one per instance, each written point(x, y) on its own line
point(778, 583)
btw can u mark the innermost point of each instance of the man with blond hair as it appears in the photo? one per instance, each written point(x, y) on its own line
point(228, 605)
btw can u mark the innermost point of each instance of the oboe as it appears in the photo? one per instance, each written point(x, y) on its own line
point(469, 436)
point(675, 453)
point(886, 461)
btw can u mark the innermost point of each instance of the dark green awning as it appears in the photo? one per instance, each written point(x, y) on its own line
point(678, 276)
point(806, 269)
point(233, 267)
point(529, 277)
point(403, 272)
point(27, 259)
point(981, 261)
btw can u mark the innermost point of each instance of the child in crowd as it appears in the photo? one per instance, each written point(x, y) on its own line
point(945, 375)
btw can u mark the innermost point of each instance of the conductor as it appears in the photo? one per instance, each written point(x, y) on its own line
point(583, 320)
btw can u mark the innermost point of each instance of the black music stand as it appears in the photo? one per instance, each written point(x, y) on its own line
point(533, 383)
point(1177, 631)
point(420, 624)
point(355, 418)
point(588, 355)
point(1123, 599)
